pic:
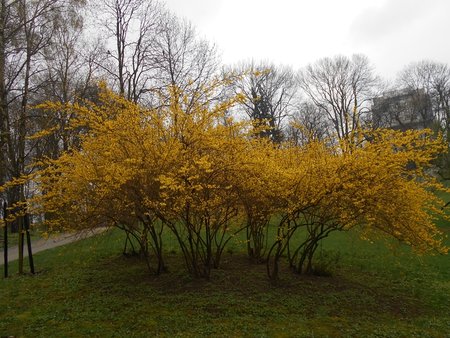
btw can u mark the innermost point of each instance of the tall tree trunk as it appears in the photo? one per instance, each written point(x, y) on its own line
point(3, 96)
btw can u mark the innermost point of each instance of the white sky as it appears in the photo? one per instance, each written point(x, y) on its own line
point(392, 33)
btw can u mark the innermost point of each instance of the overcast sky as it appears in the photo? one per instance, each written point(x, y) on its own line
point(392, 33)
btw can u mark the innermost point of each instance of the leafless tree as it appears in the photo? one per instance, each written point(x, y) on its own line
point(26, 28)
point(151, 49)
point(183, 60)
point(269, 93)
point(307, 123)
point(432, 79)
point(69, 73)
point(4, 39)
point(131, 27)
point(341, 87)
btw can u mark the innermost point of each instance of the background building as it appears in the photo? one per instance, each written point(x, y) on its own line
point(402, 110)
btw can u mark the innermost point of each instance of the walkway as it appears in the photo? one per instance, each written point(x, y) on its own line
point(53, 241)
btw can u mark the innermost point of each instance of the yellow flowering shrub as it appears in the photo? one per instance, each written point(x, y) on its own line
point(205, 177)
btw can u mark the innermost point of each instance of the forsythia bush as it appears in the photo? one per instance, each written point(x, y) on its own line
point(205, 177)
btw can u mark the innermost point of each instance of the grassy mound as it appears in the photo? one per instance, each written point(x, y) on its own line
point(89, 288)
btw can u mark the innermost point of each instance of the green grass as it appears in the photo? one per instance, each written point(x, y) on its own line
point(89, 289)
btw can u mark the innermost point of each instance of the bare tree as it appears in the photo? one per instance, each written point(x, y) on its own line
point(69, 73)
point(152, 49)
point(307, 123)
point(432, 79)
point(131, 26)
point(183, 60)
point(26, 29)
point(269, 93)
point(341, 87)
point(4, 13)
point(30, 30)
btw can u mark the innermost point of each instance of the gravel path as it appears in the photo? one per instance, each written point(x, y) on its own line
point(42, 244)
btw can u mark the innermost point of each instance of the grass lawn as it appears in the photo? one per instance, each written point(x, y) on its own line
point(89, 289)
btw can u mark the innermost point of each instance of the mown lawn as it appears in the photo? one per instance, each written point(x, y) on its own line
point(89, 289)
